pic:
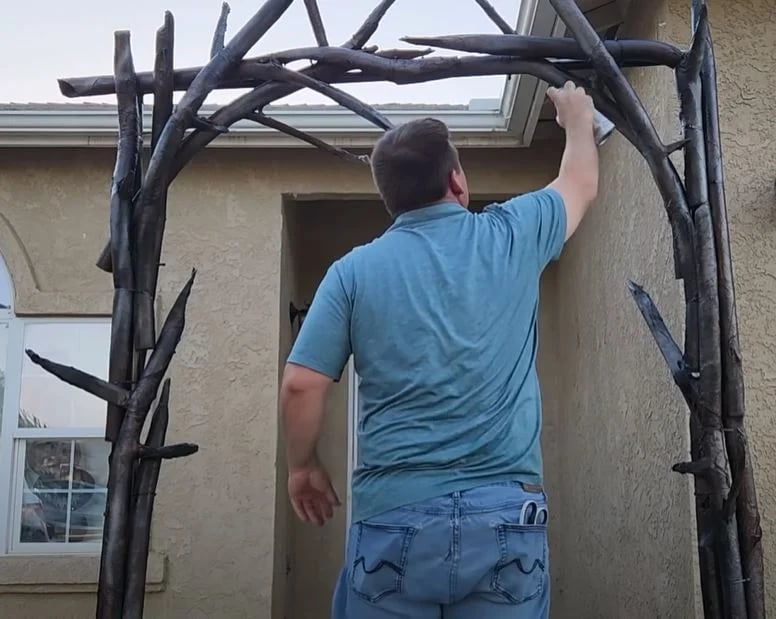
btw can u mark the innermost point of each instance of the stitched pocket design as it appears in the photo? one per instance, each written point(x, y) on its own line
point(380, 559)
point(521, 573)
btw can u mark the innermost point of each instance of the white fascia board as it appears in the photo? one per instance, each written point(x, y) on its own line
point(524, 94)
point(97, 128)
point(505, 125)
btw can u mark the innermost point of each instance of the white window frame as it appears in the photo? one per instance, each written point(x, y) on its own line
point(12, 450)
point(354, 407)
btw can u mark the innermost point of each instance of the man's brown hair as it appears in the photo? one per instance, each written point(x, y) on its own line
point(411, 165)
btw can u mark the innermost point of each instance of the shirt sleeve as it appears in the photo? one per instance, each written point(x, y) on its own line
point(323, 343)
point(540, 218)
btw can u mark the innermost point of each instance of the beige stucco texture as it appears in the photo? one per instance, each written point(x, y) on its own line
point(260, 227)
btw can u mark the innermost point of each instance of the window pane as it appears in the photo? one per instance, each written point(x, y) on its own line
point(3, 355)
point(47, 402)
point(64, 488)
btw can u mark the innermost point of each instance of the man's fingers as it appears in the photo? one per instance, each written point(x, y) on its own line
point(311, 511)
point(552, 93)
point(331, 496)
point(297, 505)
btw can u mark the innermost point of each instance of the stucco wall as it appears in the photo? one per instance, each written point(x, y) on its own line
point(220, 519)
point(632, 554)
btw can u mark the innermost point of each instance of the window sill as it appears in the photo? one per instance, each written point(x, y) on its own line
point(66, 573)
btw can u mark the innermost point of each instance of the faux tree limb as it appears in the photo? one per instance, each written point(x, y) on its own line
point(495, 17)
point(637, 52)
point(151, 205)
point(114, 559)
point(654, 151)
point(747, 514)
point(143, 493)
point(78, 378)
point(272, 123)
point(122, 192)
point(219, 35)
point(631, 53)
point(682, 374)
point(316, 22)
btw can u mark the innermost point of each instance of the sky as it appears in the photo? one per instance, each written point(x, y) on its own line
point(47, 39)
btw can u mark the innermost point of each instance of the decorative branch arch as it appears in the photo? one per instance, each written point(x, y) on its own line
point(707, 369)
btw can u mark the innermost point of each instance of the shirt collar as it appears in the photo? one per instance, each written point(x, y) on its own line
point(428, 213)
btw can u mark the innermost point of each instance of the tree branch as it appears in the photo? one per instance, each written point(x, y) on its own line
point(668, 347)
point(641, 53)
point(662, 169)
point(627, 53)
point(122, 192)
point(78, 378)
point(369, 27)
point(151, 205)
point(495, 17)
point(306, 137)
point(219, 35)
point(168, 452)
point(316, 22)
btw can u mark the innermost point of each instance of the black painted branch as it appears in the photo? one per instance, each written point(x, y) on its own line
point(638, 52)
point(242, 77)
point(272, 123)
point(710, 414)
point(219, 35)
point(148, 384)
point(143, 493)
point(277, 73)
point(339, 60)
point(369, 27)
point(653, 150)
point(733, 401)
point(163, 77)
point(167, 452)
point(495, 17)
point(316, 22)
point(680, 372)
point(151, 205)
point(78, 378)
point(122, 192)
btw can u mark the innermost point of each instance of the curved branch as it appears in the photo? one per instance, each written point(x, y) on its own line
point(663, 171)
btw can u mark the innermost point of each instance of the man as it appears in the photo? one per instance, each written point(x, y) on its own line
point(449, 516)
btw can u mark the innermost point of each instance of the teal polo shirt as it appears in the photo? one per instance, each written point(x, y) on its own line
point(440, 315)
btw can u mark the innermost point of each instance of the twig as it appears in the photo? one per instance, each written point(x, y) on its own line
point(316, 22)
point(495, 17)
point(219, 35)
point(306, 137)
point(369, 27)
point(168, 452)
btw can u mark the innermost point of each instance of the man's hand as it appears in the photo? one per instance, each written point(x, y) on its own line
point(312, 494)
point(573, 105)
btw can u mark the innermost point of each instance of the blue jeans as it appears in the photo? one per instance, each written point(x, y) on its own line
point(465, 555)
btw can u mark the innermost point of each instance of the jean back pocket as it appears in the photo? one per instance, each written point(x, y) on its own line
point(379, 559)
point(521, 573)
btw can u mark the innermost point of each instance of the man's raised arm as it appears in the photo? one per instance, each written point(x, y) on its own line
point(577, 181)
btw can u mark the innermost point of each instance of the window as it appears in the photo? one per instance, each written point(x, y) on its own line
point(53, 457)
